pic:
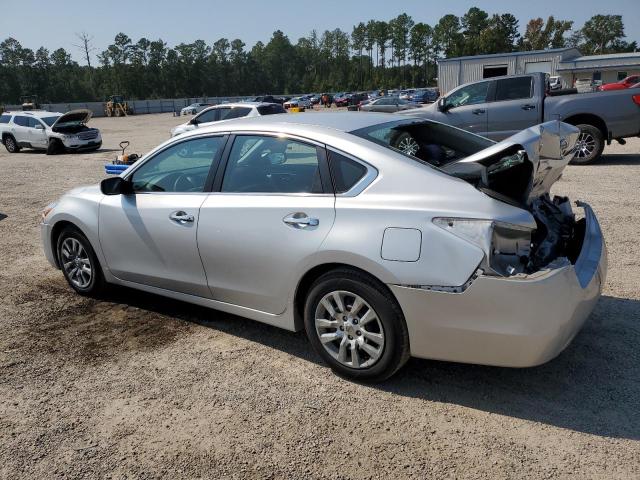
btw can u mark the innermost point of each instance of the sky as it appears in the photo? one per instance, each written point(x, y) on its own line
point(36, 23)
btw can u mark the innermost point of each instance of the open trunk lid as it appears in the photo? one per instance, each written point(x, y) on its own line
point(524, 166)
point(81, 116)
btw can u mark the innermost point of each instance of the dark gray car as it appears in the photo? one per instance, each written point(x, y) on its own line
point(388, 105)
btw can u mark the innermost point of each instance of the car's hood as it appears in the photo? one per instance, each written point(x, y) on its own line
point(532, 159)
point(81, 115)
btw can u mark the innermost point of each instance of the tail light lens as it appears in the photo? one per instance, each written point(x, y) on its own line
point(636, 99)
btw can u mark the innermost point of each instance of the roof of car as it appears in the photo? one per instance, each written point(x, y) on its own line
point(34, 113)
point(340, 121)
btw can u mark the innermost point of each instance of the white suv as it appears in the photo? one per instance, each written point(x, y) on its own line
point(227, 111)
point(50, 131)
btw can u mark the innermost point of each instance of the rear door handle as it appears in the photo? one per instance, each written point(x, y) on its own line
point(528, 107)
point(300, 220)
point(181, 217)
point(478, 111)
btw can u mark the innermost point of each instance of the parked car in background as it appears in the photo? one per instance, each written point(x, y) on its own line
point(350, 99)
point(406, 94)
point(269, 99)
point(424, 95)
point(194, 108)
point(620, 85)
point(302, 102)
point(555, 82)
point(388, 105)
point(226, 112)
point(382, 236)
point(51, 131)
point(499, 107)
point(341, 99)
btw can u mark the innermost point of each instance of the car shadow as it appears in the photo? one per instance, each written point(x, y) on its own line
point(617, 159)
point(592, 387)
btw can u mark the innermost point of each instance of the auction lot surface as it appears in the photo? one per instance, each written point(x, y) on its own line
point(137, 386)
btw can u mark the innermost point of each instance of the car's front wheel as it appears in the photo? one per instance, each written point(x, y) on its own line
point(11, 145)
point(79, 263)
point(356, 326)
point(589, 146)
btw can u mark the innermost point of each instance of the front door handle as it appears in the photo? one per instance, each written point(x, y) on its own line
point(478, 111)
point(300, 220)
point(181, 217)
point(528, 107)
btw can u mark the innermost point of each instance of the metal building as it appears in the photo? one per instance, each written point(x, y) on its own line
point(568, 63)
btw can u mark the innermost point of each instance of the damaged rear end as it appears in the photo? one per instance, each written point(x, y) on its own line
point(520, 171)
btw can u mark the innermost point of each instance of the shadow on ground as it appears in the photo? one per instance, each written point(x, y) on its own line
point(617, 159)
point(592, 387)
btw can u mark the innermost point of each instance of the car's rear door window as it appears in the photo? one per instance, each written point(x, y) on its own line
point(264, 164)
point(514, 88)
point(236, 112)
point(21, 121)
point(345, 172)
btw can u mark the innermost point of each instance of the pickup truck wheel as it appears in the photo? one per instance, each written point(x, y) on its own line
point(11, 145)
point(590, 145)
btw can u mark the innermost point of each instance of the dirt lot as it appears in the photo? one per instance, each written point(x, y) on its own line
point(143, 387)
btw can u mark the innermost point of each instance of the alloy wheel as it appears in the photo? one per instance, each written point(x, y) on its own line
point(408, 145)
point(10, 144)
point(349, 329)
point(585, 146)
point(76, 262)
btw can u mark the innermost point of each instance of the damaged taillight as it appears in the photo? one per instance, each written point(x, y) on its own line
point(506, 246)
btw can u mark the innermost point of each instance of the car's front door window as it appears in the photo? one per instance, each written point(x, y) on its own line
point(182, 167)
point(208, 116)
point(469, 95)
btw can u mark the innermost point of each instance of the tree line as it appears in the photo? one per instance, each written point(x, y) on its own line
point(375, 54)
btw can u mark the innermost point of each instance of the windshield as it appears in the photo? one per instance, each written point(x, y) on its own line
point(50, 120)
point(428, 142)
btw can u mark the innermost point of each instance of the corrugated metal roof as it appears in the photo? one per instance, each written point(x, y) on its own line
point(508, 54)
point(607, 56)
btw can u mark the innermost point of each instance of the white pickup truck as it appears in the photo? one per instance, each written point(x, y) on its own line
point(50, 131)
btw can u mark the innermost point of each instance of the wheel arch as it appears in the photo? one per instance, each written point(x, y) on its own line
point(589, 119)
point(311, 275)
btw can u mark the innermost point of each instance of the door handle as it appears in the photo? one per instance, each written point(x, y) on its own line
point(528, 107)
point(300, 220)
point(181, 217)
point(478, 111)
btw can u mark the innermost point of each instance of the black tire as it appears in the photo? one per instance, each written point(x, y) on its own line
point(592, 147)
point(96, 285)
point(396, 336)
point(54, 147)
point(11, 145)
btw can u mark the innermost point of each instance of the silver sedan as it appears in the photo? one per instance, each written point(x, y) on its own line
point(383, 236)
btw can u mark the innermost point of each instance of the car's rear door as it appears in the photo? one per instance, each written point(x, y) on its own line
point(514, 107)
point(20, 129)
point(273, 209)
point(149, 236)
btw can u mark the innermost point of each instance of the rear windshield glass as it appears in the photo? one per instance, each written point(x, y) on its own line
point(271, 109)
point(428, 142)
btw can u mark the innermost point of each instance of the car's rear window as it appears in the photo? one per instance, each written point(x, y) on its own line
point(429, 142)
point(271, 109)
point(5, 118)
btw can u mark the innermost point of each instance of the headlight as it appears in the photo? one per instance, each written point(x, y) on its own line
point(47, 210)
point(506, 246)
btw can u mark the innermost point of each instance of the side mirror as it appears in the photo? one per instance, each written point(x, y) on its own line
point(39, 126)
point(115, 186)
point(193, 121)
point(442, 104)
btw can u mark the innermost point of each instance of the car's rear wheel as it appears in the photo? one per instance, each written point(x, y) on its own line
point(79, 263)
point(356, 326)
point(589, 146)
point(11, 145)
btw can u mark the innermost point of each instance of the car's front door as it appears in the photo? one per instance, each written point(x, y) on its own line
point(514, 107)
point(149, 236)
point(274, 208)
point(467, 107)
point(37, 133)
point(204, 118)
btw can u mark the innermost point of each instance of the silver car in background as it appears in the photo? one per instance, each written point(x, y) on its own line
point(383, 236)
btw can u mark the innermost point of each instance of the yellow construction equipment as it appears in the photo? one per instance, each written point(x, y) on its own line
point(117, 106)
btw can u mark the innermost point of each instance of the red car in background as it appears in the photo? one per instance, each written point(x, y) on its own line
point(622, 84)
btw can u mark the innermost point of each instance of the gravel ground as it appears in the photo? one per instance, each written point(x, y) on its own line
point(137, 386)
